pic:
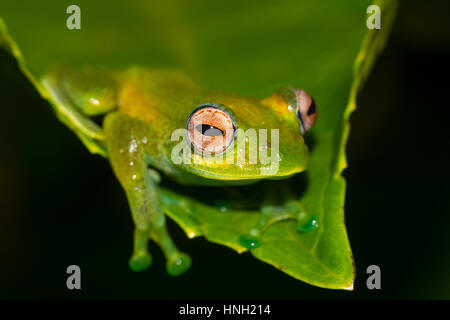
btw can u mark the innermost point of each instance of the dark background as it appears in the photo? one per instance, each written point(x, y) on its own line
point(59, 205)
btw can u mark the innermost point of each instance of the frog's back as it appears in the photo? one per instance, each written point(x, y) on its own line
point(156, 96)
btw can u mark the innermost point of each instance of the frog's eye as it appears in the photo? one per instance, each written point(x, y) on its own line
point(307, 110)
point(210, 129)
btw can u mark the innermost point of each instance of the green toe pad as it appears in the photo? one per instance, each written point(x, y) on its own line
point(308, 225)
point(249, 242)
point(178, 265)
point(140, 263)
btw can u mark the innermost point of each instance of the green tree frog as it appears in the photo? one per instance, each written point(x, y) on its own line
point(143, 110)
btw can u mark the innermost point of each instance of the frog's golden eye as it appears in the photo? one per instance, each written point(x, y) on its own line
point(210, 129)
point(307, 110)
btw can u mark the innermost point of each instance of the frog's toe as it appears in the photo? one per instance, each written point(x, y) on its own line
point(305, 225)
point(249, 241)
point(140, 262)
point(178, 264)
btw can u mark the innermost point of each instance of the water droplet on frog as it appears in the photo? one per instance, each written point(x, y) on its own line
point(133, 146)
point(308, 225)
point(249, 242)
point(144, 140)
point(131, 163)
point(133, 177)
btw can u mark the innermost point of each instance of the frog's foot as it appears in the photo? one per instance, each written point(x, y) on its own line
point(140, 262)
point(141, 258)
point(177, 262)
point(273, 214)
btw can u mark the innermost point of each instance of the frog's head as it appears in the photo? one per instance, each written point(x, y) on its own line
point(236, 138)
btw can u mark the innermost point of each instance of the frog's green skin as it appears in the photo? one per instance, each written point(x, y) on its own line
point(142, 108)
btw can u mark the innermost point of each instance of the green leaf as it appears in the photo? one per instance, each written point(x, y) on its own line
point(247, 47)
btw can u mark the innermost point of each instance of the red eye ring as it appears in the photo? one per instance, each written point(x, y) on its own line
point(210, 129)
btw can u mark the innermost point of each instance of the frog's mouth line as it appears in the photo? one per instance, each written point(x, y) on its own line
point(207, 174)
point(243, 177)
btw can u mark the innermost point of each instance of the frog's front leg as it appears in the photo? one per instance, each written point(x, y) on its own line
point(86, 129)
point(270, 215)
point(124, 136)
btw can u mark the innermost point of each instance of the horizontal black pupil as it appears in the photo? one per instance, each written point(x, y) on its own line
point(312, 108)
point(209, 130)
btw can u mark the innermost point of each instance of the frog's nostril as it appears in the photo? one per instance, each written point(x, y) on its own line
point(307, 110)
